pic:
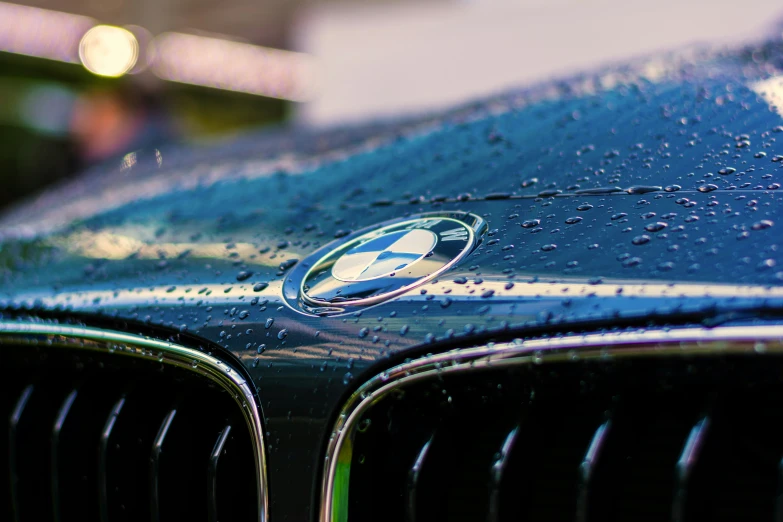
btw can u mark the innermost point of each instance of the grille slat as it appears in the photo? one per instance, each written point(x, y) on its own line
point(56, 445)
point(413, 480)
point(156, 456)
point(15, 449)
point(214, 459)
point(586, 469)
point(685, 466)
point(103, 459)
point(497, 472)
point(92, 436)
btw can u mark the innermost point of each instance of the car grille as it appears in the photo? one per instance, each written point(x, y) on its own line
point(110, 431)
point(683, 434)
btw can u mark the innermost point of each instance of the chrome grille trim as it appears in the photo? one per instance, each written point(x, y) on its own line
point(119, 343)
point(750, 340)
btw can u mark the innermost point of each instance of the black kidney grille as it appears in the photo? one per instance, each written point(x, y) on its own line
point(640, 440)
point(92, 436)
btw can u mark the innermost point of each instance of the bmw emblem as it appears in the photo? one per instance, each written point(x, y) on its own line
point(386, 260)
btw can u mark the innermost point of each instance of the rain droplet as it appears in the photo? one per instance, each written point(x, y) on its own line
point(632, 261)
point(761, 225)
point(599, 190)
point(285, 265)
point(655, 227)
point(244, 275)
point(642, 189)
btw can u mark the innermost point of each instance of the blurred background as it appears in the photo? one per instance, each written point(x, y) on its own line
point(83, 82)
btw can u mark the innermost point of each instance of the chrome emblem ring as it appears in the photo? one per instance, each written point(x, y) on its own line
point(377, 264)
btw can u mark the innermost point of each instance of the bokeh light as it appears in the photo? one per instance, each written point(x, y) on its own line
point(110, 51)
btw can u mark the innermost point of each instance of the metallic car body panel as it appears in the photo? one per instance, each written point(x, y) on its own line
point(203, 244)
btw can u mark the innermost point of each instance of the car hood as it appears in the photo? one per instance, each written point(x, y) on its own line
point(658, 179)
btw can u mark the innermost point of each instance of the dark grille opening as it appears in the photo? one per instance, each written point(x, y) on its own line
point(642, 439)
point(94, 436)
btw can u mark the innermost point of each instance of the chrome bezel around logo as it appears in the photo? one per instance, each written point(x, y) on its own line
point(295, 289)
point(127, 345)
point(685, 342)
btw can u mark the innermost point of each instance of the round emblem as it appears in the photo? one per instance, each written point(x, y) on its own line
point(374, 265)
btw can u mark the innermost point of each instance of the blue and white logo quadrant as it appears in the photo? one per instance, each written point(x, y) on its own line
point(384, 255)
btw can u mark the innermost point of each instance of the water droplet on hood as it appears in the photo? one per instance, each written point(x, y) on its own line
point(655, 227)
point(244, 275)
point(642, 189)
point(761, 225)
point(599, 190)
point(530, 223)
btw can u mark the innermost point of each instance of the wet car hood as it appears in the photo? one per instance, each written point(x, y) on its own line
point(646, 194)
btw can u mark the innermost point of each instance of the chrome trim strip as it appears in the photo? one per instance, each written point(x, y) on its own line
point(675, 342)
point(118, 343)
